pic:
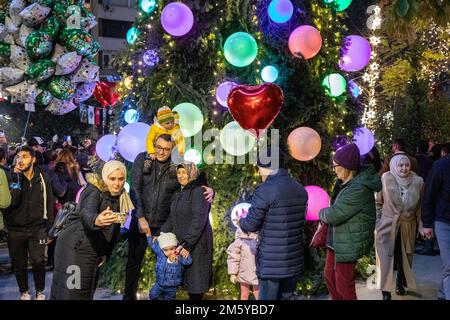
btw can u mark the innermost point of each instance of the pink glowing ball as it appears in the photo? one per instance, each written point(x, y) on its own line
point(177, 19)
point(355, 53)
point(317, 200)
point(305, 42)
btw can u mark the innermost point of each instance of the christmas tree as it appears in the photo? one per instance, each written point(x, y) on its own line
point(166, 65)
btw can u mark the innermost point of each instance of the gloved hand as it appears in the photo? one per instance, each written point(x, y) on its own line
point(233, 278)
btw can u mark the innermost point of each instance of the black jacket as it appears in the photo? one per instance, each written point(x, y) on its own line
point(425, 164)
point(278, 213)
point(189, 221)
point(70, 182)
point(27, 203)
point(436, 200)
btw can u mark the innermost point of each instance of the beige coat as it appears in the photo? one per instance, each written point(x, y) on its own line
point(391, 214)
point(241, 257)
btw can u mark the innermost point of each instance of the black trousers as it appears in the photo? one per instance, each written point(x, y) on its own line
point(398, 261)
point(137, 245)
point(22, 244)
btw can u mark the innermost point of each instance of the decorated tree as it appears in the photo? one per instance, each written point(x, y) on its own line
point(208, 56)
point(47, 53)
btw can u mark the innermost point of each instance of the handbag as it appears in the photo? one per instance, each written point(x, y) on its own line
point(319, 240)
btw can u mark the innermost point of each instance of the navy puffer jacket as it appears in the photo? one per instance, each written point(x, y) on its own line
point(278, 213)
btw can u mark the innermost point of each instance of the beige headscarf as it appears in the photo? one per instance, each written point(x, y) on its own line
point(126, 205)
point(403, 182)
point(191, 170)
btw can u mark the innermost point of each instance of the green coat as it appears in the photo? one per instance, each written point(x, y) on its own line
point(5, 195)
point(353, 216)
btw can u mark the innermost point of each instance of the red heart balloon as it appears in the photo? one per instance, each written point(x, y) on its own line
point(105, 93)
point(255, 107)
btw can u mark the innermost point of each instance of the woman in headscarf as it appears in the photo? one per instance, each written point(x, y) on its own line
point(90, 235)
point(398, 215)
point(189, 220)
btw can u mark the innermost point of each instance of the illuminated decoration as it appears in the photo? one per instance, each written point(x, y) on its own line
point(317, 200)
point(106, 147)
point(364, 139)
point(305, 42)
point(241, 211)
point(355, 53)
point(334, 84)
point(191, 118)
point(280, 11)
point(193, 155)
point(177, 19)
point(150, 58)
point(339, 5)
point(131, 140)
point(222, 92)
point(354, 89)
point(235, 140)
point(128, 82)
point(304, 143)
point(240, 49)
point(269, 74)
point(132, 35)
point(127, 187)
point(131, 116)
point(148, 6)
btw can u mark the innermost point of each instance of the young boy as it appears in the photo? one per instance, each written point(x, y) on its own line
point(166, 123)
point(169, 266)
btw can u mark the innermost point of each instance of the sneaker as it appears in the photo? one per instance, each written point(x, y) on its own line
point(25, 296)
point(40, 296)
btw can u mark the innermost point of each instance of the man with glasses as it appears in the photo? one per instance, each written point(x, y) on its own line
point(152, 186)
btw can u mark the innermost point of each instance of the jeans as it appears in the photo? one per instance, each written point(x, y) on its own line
point(340, 278)
point(159, 292)
point(277, 289)
point(442, 231)
point(20, 245)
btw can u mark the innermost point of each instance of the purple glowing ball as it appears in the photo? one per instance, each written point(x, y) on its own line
point(355, 53)
point(364, 139)
point(177, 19)
point(150, 57)
point(317, 200)
point(131, 140)
point(222, 92)
point(106, 147)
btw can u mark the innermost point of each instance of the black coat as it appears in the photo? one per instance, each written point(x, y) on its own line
point(278, 213)
point(83, 244)
point(189, 220)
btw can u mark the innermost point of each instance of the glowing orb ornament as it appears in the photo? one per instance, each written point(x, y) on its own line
point(280, 11)
point(131, 116)
point(317, 200)
point(304, 143)
point(132, 35)
point(305, 42)
point(235, 140)
point(193, 155)
point(339, 5)
point(150, 58)
point(334, 84)
point(222, 92)
point(241, 211)
point(240, 49)
point(355, 53)
point(131, 140)
point(106, 147)
point(177, 19)
point(354, 89)
point(364, 139)
point(128, 82)
point(269, 74)
point(148, 6)
point(191, 118)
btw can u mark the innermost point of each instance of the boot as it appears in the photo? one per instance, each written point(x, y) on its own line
point(386, 295)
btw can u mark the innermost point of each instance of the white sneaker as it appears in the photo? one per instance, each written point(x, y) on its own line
point(40, 296)
point(25, 296)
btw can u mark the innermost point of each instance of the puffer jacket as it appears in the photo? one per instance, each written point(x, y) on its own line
point(241, 257)
point(168, 274)
point(353, 215)
point(277, 211)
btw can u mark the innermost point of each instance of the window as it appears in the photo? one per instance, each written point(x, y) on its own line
point(114, 28)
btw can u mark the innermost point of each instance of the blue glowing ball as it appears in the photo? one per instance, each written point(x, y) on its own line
point(148, 6)
point(131, 116)
point(269, 74)
point(280, 11)
point(132, 35)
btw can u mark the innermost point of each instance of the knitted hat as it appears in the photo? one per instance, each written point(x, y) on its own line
point(167, 240)
point(164, 114)
point(348, 157)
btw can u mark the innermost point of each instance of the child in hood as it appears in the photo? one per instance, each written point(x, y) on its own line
point(241, 262)
point(169, 266)
point(166, 123)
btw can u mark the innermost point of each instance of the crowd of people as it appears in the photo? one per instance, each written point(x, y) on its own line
point(374, 203)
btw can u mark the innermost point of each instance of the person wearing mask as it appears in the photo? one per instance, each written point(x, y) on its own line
point(399, 147)
point(277, 212)
point(351, 221)
point(28, 220)
point(153, 183)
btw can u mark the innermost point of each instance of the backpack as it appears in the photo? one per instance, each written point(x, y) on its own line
point(67, 213)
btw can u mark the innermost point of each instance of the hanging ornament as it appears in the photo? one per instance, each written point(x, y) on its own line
point(304, 143)
point(240, 49)
point(150, 58)
point(148, 6)
point(235, 140)
point(338, 5)
point(222, 92)
point(305, 42)
point(334, 84)
point(355, 53)
point(133, 34)
point(191, 118)
point(364, 139)
point(280, 11)
point(269, 74)
point(177, 19)
point(131, 116)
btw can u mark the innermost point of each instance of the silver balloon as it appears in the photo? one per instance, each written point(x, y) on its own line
point(13, 23)
point(3, 31)
point(34, 14)
point(24, 92)
point(24, 32)
point(10, 76)
point(67, 63)
point(84, 91)
point(86, 72)
point(20, 58)
point(16, 6)
point(9, 39)
point(58, 52)
point(60, 107)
